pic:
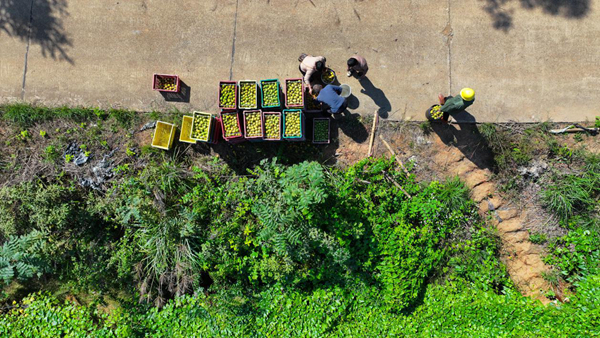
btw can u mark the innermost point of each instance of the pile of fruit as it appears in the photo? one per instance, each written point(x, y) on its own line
point(201, 127)
point(436, 113)
point(227, 98)
point(294, 93)
point(230, 125)
point(253, 124)
point(270, 94)
point(272, 126)
point(311, 104)
point(321, 129)
point(293, 124)
point(328, 76)
point(248, 95)
point(166, 83)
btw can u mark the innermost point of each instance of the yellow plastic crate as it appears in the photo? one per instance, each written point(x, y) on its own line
point(164, 134)
point(186, 130)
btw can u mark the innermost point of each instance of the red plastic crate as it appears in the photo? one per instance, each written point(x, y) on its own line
point(301, 105)
point(235, 91)
point(265, 125)
point(216, 131)
point(253, 138)
point(233, 137)
point(156, 77)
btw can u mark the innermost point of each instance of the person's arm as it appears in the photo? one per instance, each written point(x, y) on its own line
point(337, 89)
point(307, 76)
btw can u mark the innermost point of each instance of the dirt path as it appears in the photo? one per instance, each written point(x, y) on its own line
point(523, 259)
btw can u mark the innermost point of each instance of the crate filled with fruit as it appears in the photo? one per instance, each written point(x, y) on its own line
point(230, 125)
point(310, 105)
point(272, 126)
point(321, 130)
point(202, 127)
point(227, 95)
point(293, 125)
point(248, 94)
point(165, 83)
point(294, 93)
point(253, 125)
point(269, 91)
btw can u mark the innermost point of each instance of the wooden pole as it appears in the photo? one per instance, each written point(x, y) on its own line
point(375, 121)
point(394, 154)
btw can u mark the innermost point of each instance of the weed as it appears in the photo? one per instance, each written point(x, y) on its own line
point(122, 169)
point(147, 150)
point(597, 124)
point(552, 276)
point(83, 147)
point(124, 118)
point(51, 154)
point(24, 135)
point(129, 152)
point(69, 158)
point(426, 127)
point(578, 137)
point(538, 238)
point(42, 133)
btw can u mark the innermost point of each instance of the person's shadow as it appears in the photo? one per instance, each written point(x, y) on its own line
point(351, 126)
point(377, 96)
point(467, 139)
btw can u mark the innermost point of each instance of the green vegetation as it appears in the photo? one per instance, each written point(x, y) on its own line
point(190, 247)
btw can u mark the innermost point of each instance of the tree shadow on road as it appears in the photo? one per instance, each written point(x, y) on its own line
point(502, 11)
point(39, 22)
point(466, 137)
point(377, 95)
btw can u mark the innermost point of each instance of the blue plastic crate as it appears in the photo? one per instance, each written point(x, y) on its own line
point(302, 134)
point(262, 97)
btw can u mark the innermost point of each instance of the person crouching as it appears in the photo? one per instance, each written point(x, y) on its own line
point(330, 96)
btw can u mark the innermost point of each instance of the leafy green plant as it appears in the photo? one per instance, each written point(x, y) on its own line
point(22, 257)
point(69, 158)
point(24, 136)
point(538, 238)
point(51, 154)
point(42, 133)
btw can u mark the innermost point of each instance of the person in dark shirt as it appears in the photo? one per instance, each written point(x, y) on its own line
point(330, 97)
point(454, 104)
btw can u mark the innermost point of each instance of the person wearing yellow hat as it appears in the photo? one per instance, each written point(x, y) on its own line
point(451, 105)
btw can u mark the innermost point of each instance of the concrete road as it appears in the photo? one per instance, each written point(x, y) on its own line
point(527, 60)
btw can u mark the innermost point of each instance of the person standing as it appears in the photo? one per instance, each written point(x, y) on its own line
point(311, 68)
point(357, 65)
point(454, 104)
point(331, 96)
